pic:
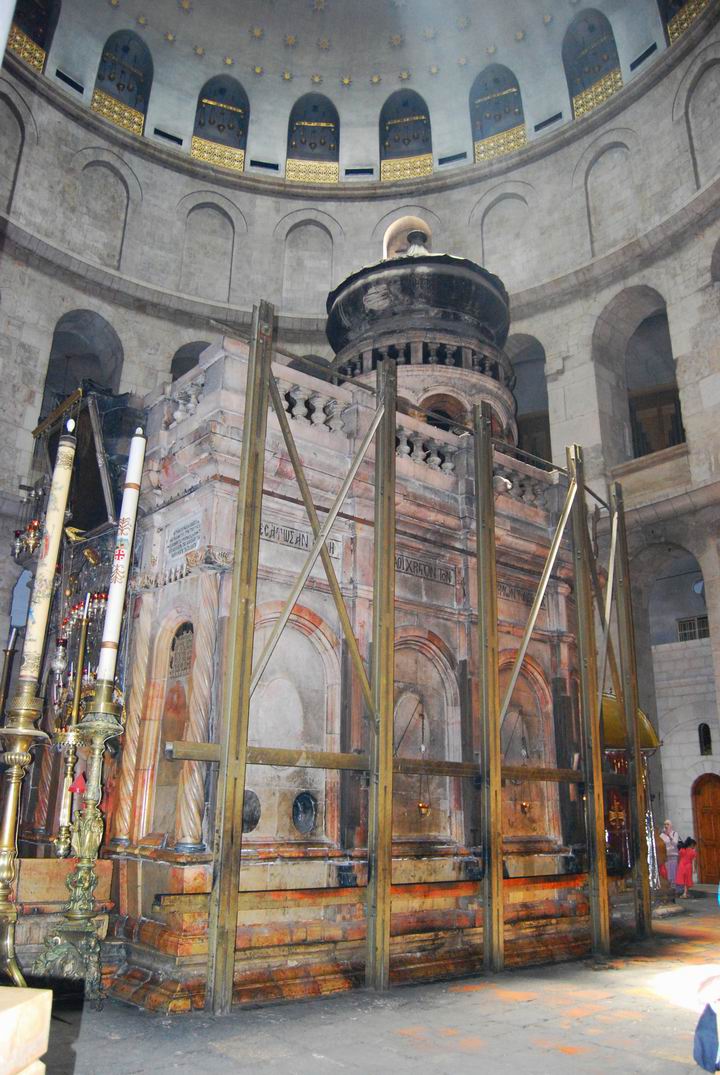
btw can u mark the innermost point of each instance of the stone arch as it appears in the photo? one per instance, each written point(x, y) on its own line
point(12, 141)
point(316, 704)
point(623, 322)
point(186, 358)
point(103, 199)
point(84, 347)
point(503, 217)
point(605, 173)
point(703, 126)
point(448, 407)
point(210, 223)
point(527, 356)
point(531, 810)
point(435, 677)
point(426, 217)
point(703, 59)
point(307, 268)
point(150, 735)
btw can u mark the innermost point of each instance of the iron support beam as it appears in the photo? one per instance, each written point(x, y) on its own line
point(628, 671)
point(490, 751)
point(605, 614)
point(236, 699)
point(592, 753)
point(343, 615)
point(377, 967)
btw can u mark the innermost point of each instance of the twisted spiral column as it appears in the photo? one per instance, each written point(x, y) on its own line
point(134, 711)
point(191, 790)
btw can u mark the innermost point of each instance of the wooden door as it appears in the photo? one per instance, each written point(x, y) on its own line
point(706, 810)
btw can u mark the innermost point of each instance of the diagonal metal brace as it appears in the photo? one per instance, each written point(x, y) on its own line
point(333, 583)
point(312, 556)
point(537, 602)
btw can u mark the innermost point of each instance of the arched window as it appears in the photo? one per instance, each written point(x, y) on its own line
point(496, 113)
point(527, 356)
point(124, 78)
point(655, 415)
point(32, 30)
point(313, 143)
point(85, 347)
point(175, 716)
point(221, 123)
point(186, 358)
point(405, 137)
point(705, 737)
point(678, 16)
point(591, 62)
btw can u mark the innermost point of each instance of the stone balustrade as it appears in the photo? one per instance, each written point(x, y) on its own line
point(429, 352)
point(310, 405)
point(425, 445)
point(182, 398)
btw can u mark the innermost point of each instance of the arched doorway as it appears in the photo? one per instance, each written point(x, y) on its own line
point(706, 815)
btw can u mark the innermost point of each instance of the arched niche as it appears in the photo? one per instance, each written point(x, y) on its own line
point(527, 356)
point(703, 124)
point(222, 118)
point(307, 268)
point(405, 137)
point(427, 711)
point(505, 226)
point(531, 809)
point(497, 118)
point(313, 141)
point(445, 410)
point(85, 347)
point(677, 16)
point(591, 62)
point(186, 358)
point(32, 30)
point(611, 197)
point(208, 252)
point(102, 200)
point(635, 369)
point(175, 714)
point(296, 705)
point(12, 140)
point(123, 82)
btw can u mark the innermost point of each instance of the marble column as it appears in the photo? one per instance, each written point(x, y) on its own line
point(134, 712)
point(191, 790)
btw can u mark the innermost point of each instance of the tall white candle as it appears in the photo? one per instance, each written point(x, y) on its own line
point(121, 560)
point(43, 585)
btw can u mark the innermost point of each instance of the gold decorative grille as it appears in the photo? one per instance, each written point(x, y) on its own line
point(299, 171)
point(597, 94)
point(497, 145)
point(391, 171)
point(685, 18)
point(219, 155)
point(24, 47)
point(118, 113)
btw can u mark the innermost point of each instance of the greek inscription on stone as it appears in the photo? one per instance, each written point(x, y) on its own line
point(517, 593)
point(298, 539)
point(184, 537)
point(432, 570)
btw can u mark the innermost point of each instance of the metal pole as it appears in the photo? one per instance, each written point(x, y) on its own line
point(236, 700)
point(377, 968)
point(592, 754)
point(8, 655)
point(491, 755)
point(70, 739)
point(628, 670)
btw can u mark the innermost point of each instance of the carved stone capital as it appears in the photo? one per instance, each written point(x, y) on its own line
point(209, 557)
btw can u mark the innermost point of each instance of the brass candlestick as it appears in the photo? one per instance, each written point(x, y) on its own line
point(70, 739)
point(74, 951)
point(9, 655)
point(19, 736)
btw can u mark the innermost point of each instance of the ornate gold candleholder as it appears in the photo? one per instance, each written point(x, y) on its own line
point(69, 738)
point(19, 736)
point(74, 951)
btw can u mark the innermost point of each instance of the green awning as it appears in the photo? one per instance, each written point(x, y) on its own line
point(613, 718)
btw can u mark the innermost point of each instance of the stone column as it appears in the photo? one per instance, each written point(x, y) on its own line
point(191, 789)
point(133, 716)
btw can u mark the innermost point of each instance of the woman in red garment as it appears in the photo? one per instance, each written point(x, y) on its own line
point(686, 856)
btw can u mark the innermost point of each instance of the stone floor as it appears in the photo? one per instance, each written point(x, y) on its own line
point(635, 1015)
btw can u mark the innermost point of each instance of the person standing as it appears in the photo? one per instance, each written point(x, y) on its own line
point(686, 856)
point(671, 840)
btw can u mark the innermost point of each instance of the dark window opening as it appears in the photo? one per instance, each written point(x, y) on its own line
point(125, 72)
point(534, 434)
point(546, 122)
point(692, 628)
point(705, 737)
point(314, 129)
point(37, 19)
point(589, 52)
point(656, 420)
point(643, 56)
point(222, 113)
point(495, 102)
point(404, 126)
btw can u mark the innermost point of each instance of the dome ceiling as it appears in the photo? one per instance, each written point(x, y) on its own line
point(348, 45)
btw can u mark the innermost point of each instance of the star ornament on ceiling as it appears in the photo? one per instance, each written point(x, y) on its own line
point(199, 50)
point(291, 40)
point(346, 80)
point(287, 75)
point(375, 80)
point(396, 40)
point(228, 61)
point(258, 70)
point(169, 37)
point(142, 20)
point(256, 32)
point(185, 5)
point(319, 5)
point(404, 76)
point(324, 43)
point(429, 33)
point(316, 79)
point(434, 69)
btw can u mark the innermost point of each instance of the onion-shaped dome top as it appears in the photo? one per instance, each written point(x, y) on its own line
point(426, 291)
